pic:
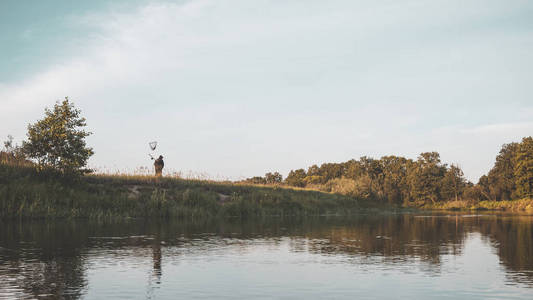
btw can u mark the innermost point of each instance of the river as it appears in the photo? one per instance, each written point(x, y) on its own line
point(367, 256)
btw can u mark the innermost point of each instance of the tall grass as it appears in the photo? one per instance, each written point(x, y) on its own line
point(512, 206)
point(27, 193)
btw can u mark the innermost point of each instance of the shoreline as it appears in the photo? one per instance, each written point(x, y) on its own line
point(25, 193)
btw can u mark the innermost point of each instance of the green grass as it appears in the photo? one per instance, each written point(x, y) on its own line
point(26, 193)
point(30, 194)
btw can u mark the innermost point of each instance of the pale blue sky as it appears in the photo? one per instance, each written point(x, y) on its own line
point(237, 88)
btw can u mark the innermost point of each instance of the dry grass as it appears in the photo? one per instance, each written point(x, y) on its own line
point(513, 205)
point(27, 193)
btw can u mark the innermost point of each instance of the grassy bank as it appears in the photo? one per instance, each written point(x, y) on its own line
point(522, 205)
point(30, 194)
point(27, 193)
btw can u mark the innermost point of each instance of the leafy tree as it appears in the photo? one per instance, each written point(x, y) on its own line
point(58, 141)
point(425, 178)
point(473, 192)
point(484, 187)
point(296, 178)
point(394, 178)
point(330, 171)
point(523, 169)
point(256, 180)
point(313, 171)
point(501, 182)
point(453, 183)
point(353, 169)
point(273, 178)
point(372, 168)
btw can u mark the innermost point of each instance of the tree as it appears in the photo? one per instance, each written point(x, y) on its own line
point(273, 178)
point(313, 171)
point(425, 178)
point(256, 180)
point(353, 169)
point(501, 182)
point(484, 188)
point(473, 192)
point(394, 178)
point(523, 169)
point(296, 178)
point(453, 183)
point(58, 141)
point(372, 168)
point(330, 171)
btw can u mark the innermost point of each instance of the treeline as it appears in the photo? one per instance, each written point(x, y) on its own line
point(401, 181)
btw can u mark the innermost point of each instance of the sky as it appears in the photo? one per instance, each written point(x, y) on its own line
point(236, 88)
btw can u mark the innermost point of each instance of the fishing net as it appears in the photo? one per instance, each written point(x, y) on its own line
point(153, 145)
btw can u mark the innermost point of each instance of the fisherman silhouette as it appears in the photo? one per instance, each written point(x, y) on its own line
point(158, 165)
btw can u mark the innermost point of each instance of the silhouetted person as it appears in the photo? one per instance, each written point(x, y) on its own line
point(158, 165)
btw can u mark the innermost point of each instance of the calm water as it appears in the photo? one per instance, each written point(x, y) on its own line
point(364, 257)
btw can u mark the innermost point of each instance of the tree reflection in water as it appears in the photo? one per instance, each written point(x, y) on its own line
point(43, 259)
point(48, 259)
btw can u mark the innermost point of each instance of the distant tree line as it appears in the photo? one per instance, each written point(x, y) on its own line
point(401, 181)
point(270, 178)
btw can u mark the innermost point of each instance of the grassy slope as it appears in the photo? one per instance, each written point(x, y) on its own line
point(25, 193)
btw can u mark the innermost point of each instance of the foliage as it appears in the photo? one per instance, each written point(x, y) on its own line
point(512, 174)
point(273, 178)
point(425, 181)
point(58, 141)
point(270, 178)
point(523, 169)
point(345, 186)
point(12, 153)
point(500, 183)
point(8, 144)
point(391, 179)
point(520, 205)
point(296, 178)
point(256, 180)
point(453, 183)
point(401, 181)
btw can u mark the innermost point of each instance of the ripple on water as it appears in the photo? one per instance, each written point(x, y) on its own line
point(386, 257)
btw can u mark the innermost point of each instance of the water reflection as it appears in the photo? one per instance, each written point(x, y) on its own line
point(51, 259)
point(42, 260)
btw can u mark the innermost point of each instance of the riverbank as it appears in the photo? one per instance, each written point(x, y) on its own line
point(522, 205)
point(25, 193)
point(30, 194)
